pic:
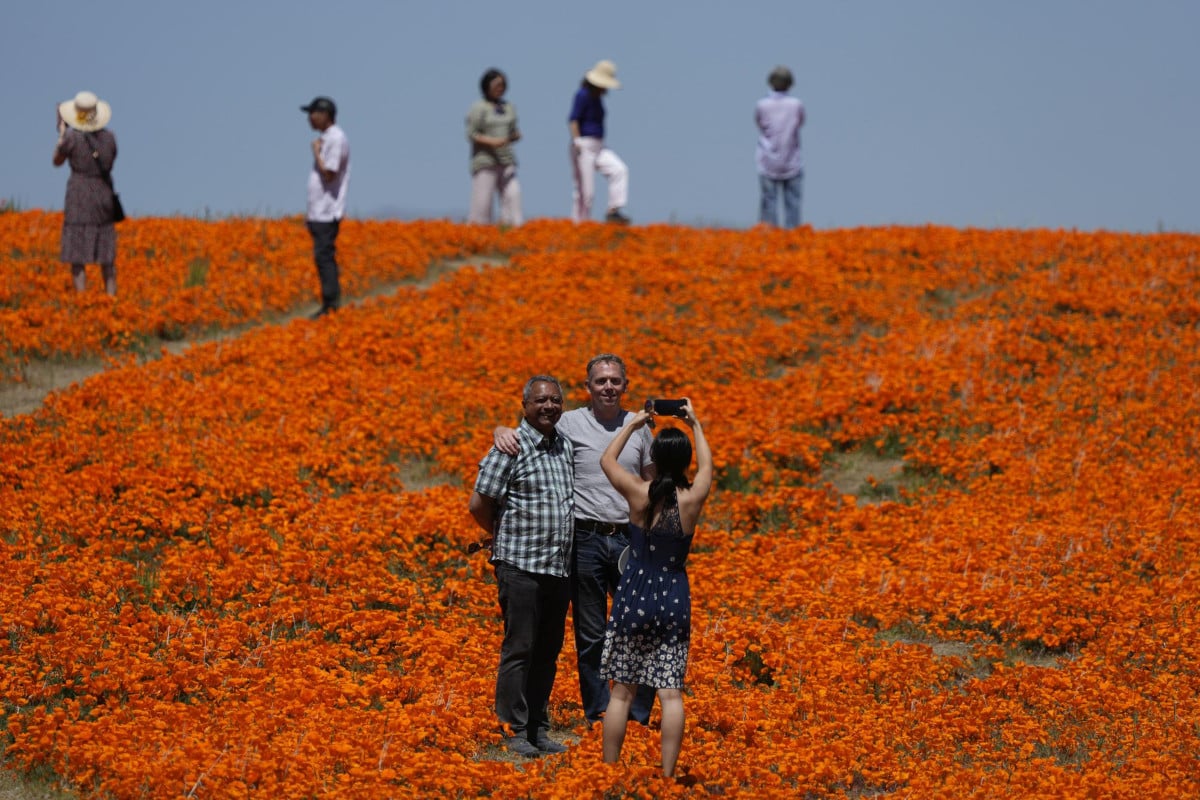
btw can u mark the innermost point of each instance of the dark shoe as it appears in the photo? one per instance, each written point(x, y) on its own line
point(616, 217)
point(547, 745)
point(520, 746)
point(323, 311)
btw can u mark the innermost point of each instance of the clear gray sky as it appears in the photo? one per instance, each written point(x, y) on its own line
point(1031, 113)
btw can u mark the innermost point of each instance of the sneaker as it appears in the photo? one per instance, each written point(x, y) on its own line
point(547, 745)
point(520, 746)
point(616, 217)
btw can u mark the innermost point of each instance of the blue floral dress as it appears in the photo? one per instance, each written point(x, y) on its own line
point(649, 630)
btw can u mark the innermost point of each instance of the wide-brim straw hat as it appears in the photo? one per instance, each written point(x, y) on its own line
point(85, 112)
point(604, 75)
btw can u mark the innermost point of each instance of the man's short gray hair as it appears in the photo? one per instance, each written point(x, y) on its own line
point(606, 358)
point(527, 393)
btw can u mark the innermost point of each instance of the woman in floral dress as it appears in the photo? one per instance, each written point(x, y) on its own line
point(88, 235)
point(649, 628)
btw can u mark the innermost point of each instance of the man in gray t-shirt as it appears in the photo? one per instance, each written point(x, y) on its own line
point(601, 522)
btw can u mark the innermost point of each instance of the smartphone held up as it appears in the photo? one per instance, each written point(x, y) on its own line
point(667, 408)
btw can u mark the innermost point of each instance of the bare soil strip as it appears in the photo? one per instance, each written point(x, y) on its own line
point(46, 376)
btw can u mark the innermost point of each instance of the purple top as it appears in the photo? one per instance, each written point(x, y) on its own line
point(779, 117)
point(588, 111)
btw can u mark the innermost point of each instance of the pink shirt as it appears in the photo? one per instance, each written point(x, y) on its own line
point(780, 117)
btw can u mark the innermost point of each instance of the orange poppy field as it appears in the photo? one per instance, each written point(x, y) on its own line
point(243, 572)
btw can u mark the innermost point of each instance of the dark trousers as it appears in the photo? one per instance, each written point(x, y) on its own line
point(593, 579)
point(324, 236)
point(535, 614)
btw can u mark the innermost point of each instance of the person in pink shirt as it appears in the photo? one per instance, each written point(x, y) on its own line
point(780, 165)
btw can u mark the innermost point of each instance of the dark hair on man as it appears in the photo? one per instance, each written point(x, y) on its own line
point(487, 79)
point(605, 358)
point(671, 453)
point(780, 79)
point(527, 392)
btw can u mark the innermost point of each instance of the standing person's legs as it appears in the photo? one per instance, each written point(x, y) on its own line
point(106, 255)
point(518, 594)
point(79, 276)
point(768, 193)
point(510, 197)
point(610, 165)
point(616, 719)
point(591, 585)
point(110, 278)
point(792, 191)
point(483, 185)
point(583, 162)
point(672, 728)
point(324, 235)
point(550, 624)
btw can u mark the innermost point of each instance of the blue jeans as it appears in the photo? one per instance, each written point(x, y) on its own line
point(769, 191)
point(593, 580)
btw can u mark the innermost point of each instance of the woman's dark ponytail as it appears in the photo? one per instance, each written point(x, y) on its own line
point(671, 453)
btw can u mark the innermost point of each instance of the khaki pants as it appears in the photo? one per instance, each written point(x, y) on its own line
point(492, 180)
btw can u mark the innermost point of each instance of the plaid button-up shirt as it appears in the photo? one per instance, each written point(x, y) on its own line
point(533, 491)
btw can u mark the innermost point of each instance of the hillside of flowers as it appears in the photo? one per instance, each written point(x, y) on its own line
point(243, 571)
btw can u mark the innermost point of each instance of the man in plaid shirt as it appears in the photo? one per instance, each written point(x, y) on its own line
point(524, 502)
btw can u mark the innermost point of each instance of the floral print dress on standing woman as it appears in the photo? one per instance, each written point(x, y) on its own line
point(649, 630)
point(88, 235)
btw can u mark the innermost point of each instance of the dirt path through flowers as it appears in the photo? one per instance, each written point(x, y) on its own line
point(44, 377)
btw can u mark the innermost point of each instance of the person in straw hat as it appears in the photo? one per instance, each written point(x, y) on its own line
point(588, 153)
point(84, 141)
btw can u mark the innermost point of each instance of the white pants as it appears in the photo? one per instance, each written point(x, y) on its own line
point(487, 182)
point(589, 156)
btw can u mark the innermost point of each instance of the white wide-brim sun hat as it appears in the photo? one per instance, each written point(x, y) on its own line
point(604, 75)
point(85, 112)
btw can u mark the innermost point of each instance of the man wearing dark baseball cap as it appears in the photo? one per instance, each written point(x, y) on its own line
point(321, 104)
point(327, 184)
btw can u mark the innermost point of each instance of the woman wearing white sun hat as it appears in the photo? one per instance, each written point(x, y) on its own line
point(88, 235)
point(588, 153)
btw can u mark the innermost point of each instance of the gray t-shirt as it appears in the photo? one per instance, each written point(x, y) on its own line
point(595, 497)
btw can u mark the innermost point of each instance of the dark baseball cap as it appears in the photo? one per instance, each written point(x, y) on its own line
point(321, 104)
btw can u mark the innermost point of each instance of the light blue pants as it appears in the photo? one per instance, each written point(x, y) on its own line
point(771, 188)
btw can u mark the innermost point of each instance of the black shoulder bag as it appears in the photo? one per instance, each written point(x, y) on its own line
point(118, 211)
